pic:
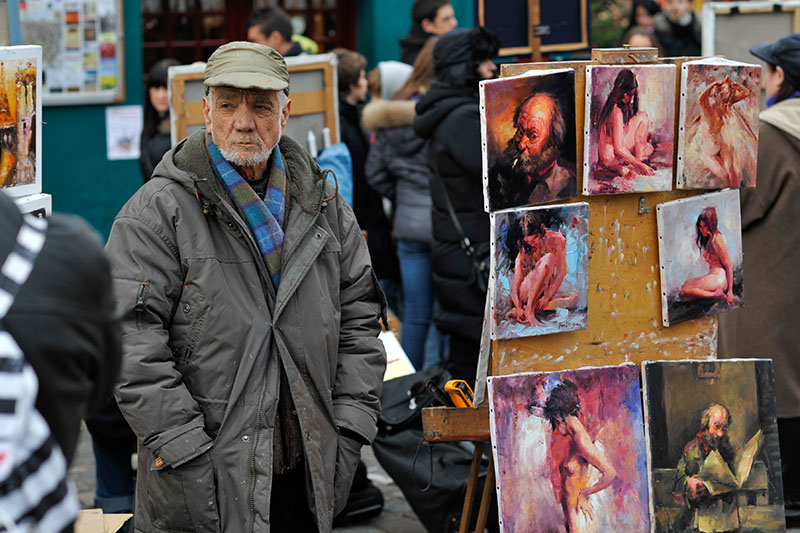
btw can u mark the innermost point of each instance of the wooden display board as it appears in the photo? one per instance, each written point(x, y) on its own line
point(313, 91)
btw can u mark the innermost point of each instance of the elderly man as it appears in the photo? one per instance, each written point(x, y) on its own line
point(706, 512)
point(251, 366)
point(529, 172)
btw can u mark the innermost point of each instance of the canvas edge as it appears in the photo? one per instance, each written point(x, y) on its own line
point(493, 269)
point(680, 183)
point(586, 130)
point(28, 51)
point(493, 244)
point(493, 433)
point(484, 143)
point(647, 444)
point(662, 263)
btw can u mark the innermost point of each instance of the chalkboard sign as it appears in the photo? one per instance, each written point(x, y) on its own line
point(559, 25)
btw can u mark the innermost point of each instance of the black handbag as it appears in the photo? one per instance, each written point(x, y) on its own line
point(403, 399)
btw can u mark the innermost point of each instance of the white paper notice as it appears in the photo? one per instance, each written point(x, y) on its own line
point(123, 130)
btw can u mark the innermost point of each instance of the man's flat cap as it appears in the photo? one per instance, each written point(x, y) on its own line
point(247, 65)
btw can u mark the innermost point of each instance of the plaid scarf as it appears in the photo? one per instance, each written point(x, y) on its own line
point(264, 217)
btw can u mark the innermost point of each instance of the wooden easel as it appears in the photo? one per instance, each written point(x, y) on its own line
point(624, 292)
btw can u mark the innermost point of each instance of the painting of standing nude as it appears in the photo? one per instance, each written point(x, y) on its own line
point(630, 121)
point(718, 140)
point(569, 450)
point(700, 252)
point(712, 443)
point(528, 134)
point(540, 264)
point(20, 120)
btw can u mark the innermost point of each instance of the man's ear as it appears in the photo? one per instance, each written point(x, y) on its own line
point(427, 25)
point(275, 39)
point(287, 110)
point(207, 113)
point(781, 75)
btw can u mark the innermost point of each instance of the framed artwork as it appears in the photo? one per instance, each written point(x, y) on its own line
point(83, 49)
point(718, 125)
point(528, 139)
point(712, 444)
point(700, 255)
point(629, 129)
point(569, 450)
point(540, 272)
point(20, 120)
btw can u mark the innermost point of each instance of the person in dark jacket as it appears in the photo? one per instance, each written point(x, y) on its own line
point(367, 203)
point(271, 26)
point(397, 167)
point(428, 18)
point(678, 29)
point(448, 114)
point(155, 141)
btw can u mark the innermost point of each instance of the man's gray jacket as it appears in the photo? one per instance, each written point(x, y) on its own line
point(205, 333)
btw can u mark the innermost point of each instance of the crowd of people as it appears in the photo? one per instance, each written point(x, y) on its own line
point(241, 360)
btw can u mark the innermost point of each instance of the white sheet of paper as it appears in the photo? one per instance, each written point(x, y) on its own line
point(123, 130)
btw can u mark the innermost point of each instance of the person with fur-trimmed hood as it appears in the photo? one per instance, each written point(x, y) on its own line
point(449, 115)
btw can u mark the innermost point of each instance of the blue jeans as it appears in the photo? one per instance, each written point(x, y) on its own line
point(415, 269)
point(115, 479)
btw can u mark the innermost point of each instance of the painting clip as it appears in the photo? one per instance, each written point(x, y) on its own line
point(642, 209)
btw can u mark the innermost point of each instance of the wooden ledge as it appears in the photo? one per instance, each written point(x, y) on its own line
point(451, 424)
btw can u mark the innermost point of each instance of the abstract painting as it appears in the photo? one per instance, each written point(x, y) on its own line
point(528, 134)
point(569, 450)
point(712, 444)
point(540, 270)
point(718, 136)
point(700, 255)
point(630, 129)
point(20, 120)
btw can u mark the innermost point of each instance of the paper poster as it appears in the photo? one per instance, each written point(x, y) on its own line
point(123, 131)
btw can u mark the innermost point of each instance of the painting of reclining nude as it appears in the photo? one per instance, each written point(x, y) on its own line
point(528, 134)
point(630, 121)
point(20, 120)
point(540, 264)
point(712, 440)
point(700, 252)
point(569, 450)
point(718, 143)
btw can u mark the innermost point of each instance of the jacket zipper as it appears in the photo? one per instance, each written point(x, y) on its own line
point(140, 306)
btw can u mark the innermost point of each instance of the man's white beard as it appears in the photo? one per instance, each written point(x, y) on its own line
point(246, 159)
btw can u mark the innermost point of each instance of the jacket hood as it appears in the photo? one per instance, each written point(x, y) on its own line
point(458, 53)
point(189, 164)
point(437, 103)
point(381, 114)
point(785, 116)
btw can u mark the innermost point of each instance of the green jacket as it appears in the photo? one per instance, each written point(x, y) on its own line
point(205, 332)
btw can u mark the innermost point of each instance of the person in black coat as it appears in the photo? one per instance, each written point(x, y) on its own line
point(678, 29)
point(155, 141)
point(448, 114)
point(367, 203)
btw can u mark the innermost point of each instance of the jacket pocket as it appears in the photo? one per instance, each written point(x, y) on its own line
point(184, 498)
point(347, 458)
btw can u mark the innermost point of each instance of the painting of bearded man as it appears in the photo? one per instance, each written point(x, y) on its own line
point(529, 139)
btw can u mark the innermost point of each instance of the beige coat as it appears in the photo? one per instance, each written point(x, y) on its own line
point(205, 333)
point(767, 326)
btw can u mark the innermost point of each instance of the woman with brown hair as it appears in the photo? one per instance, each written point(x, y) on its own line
point(718, 283)
point(397, 168)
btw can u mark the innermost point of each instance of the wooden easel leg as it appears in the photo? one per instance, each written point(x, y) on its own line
point(474, 471)
point(486, 499)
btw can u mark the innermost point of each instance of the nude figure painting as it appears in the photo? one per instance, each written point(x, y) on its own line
point(700, 251)
point(718, 138)
point(569, 451)
point(630, 122)
point(540, 265)
point(528, 138)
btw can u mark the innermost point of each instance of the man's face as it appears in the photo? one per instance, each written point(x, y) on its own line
point(679, 8)
point(718, 423)
point(246, 124)
point(254, 35)
point(443, 22)
point(533, 126)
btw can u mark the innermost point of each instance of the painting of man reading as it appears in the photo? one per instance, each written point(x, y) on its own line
point(713, 446)
point(570, 451)
point(528, 131)
point(541, 270)
point(630, 128)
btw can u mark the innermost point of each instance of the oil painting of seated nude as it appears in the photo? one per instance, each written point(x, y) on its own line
point(570, 451)
point(718, 143)
point(630, 121)
point(700, 251)
point(528, 138)
point(540, 261)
